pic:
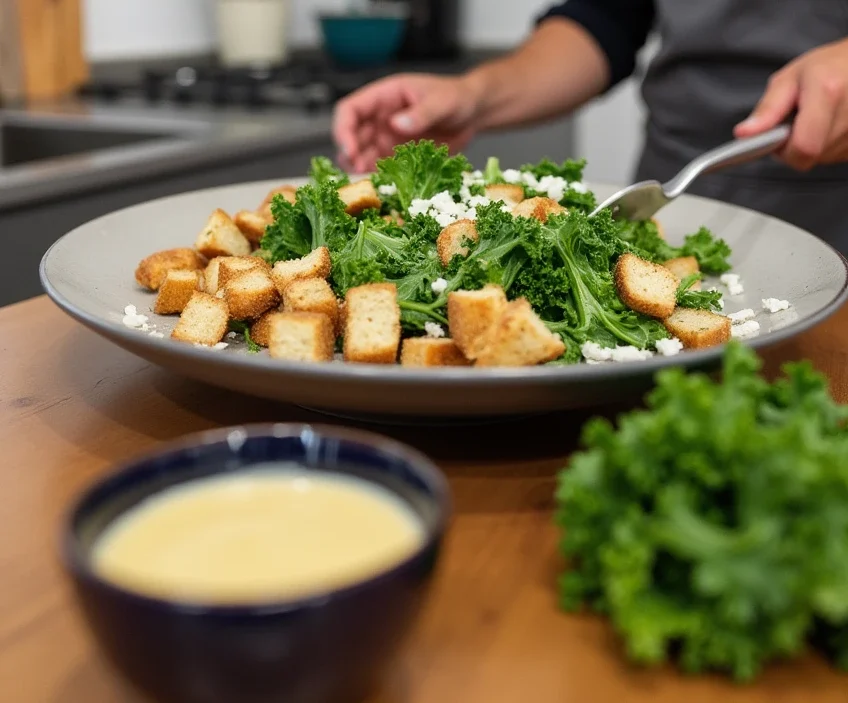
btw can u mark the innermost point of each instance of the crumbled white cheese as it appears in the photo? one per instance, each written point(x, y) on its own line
point(231, 335)
point(734, 285)
point(578, 187)
point(390, 189)
point(439, 286)
point(158, 335)
point(506, 208)
point(434, 329)
point(220, 293)
point(219, 346)
point(629, 353)
point(132, 318)
point(512, 175)
point(553, 186)
point(746, 329)
point(737, 318)
point(669, 347)
point(470, 178)
point(595, 353)
point(774, 305)
point(529, 179)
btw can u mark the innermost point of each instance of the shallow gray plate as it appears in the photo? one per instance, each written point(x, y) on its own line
point(89, 274)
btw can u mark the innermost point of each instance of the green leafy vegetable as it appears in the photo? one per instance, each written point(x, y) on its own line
point(492, 173)
point(700, 299)
point(712, 527)
point(323, 170)
point(712, 254)
point(243, 328)
point(571, 170)
point(420, 170)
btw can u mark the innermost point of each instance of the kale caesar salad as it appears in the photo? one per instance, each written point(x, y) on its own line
point(429, 262)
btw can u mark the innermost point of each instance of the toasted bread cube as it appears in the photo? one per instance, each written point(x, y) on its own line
point(646, 287)
point(204, 320)
point(360, 196)
point(175, 292)
point(301, 336)
point(698, 329)
point(221, 237)
point(508, 193)
point(684, 266)
point(540, 208)
point(250, 294)
point(288, 192)
point(210, 275)
point(152, 270)
point(252, 225)
point(312, 295)
point(260, 330)
point(372, 324)
point(427, 351)
point(520, 338)
point(471, 316)
point(451, 240)
point(232, 266)
point(316, 264)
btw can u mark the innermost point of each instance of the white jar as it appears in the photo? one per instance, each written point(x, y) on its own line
point(253, 32)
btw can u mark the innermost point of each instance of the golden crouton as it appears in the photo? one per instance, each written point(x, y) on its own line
point(288, 192)
point(451, 240)
point(660, 228)
point(261, 329)
point(428, 351)
point(520, 338)
point(301, 336)
point(152, 270)
point(232, 266)
point(221, 237)
point(372, 324)
point(316, 264)
point(252, 225)
point(508, 193)
point(360, 196)
point(646, 287)
point(175, 292)
point(210, 275)
point(540, 208)
point(698, 329)
point(471, 316)
point(312, 295)
point(250, 294)
point(395, 218)
point(204, 320)
point(684, 266)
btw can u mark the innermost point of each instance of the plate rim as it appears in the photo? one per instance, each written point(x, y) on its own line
point(394, 373)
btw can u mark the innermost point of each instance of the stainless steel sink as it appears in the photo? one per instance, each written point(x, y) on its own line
point(27, 143)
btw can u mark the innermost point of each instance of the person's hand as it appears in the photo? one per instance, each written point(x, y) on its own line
point(371, 121)
point(816, 85)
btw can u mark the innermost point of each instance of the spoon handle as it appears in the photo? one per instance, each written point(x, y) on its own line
point(736, 152)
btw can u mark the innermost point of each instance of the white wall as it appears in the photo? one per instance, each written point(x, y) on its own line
point(609, 130)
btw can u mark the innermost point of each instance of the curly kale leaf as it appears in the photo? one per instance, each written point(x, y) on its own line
point(711, 253)
point(493, 174)
point(316, 219)
point(571, 170)
point(243, 328)
point(700, 299)
point(586, 249)
point(420, 170)
point(712, 527)
point(322, 170)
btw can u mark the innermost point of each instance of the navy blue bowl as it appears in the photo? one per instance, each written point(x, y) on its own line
point(331, 647)
point(359, 41)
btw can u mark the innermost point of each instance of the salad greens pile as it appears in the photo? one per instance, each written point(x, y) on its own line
point(712, 527)
point(563, 267)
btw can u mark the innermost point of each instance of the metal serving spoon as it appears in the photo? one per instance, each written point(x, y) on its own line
point(642, 200)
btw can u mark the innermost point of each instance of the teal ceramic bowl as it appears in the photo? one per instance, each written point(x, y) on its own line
point(359, 41)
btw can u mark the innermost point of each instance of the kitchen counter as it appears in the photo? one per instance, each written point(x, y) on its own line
point(72, 405)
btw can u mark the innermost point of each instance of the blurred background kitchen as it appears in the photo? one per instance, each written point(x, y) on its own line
point(108, 103)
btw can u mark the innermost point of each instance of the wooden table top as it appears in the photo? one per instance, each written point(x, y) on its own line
point(72, 405)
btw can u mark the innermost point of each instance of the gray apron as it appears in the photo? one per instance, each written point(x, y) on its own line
point(714, 61)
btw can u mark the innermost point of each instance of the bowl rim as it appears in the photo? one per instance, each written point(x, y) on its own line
point(78, 565)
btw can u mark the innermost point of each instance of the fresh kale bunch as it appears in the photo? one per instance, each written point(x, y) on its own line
point(712, 527)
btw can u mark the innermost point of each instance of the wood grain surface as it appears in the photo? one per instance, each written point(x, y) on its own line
point(72, 405)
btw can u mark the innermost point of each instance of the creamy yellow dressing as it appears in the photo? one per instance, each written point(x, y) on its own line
point(270, 533)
